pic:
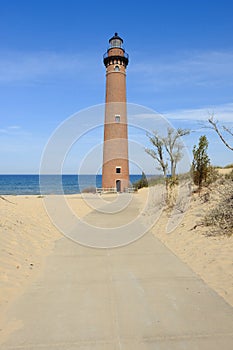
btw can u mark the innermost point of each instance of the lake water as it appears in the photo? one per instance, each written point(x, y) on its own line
point(70, 184)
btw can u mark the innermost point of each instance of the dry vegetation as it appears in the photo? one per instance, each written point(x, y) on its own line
point(217, 193)
point(208, 250)
point(220, 217)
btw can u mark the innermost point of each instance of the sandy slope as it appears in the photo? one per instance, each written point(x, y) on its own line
point(26, 238)
point(211, 257)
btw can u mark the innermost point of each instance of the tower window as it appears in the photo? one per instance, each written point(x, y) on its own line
point(117, 118)
point(118, 170)
point(116, 68)
point(115, 43)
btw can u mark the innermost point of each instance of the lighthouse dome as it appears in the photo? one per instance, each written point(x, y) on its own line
point(116, 41)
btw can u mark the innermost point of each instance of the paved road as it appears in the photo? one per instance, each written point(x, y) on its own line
point(137, 297)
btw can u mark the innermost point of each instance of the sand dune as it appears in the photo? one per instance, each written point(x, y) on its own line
point(26, 238)
point(209, 256)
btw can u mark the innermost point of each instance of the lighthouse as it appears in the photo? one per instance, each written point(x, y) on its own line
point(115, 170)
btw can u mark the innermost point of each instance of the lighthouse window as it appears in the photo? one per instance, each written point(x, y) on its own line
point(117, 68)
point(118, 169)
point(115, 43)
point(117, 118)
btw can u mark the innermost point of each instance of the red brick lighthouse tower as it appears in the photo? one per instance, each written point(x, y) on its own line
point(115, 171)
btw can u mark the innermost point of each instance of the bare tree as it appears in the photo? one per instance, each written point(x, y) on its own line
point(174, 147)
point(171, 145)
point(215, 127)
point(157, 153)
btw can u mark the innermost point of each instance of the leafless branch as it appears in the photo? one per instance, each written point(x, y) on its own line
point(215, 127)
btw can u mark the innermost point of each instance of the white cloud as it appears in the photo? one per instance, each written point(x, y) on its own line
point(223, 113)
point(203, 69)
point(14, 127)
point(14, 130)
point(21, 66)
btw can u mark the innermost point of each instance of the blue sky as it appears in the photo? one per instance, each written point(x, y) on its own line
point(181, 65)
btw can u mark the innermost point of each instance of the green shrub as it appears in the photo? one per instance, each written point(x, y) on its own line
point(90, 189)
point(141, 183)
point(201, 162)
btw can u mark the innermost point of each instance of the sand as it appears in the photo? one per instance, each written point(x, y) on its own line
point(27, 236)
point(210, 257)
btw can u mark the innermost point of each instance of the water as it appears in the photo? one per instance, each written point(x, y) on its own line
point(30, 184)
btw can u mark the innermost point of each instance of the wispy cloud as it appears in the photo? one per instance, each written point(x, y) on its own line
point(14, 127)
point(196, 120)
point(21, 66)
point(14, 130)
point(221, 112)
point(203, 69)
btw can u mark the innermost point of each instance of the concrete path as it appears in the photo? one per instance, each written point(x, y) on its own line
point(138, 297)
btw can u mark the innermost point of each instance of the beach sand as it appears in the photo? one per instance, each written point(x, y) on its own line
point(27, 236)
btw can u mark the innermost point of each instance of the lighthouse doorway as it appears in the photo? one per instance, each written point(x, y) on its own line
point(118, 185)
